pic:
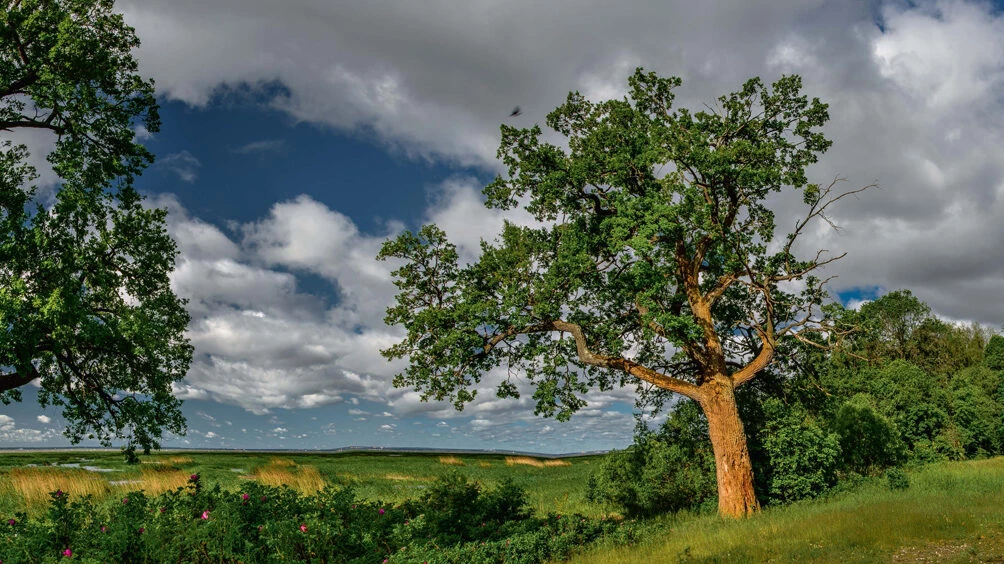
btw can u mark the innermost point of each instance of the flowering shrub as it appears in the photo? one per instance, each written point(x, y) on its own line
point(455, 521)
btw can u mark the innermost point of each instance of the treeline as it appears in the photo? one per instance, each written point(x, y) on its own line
point(907, 388)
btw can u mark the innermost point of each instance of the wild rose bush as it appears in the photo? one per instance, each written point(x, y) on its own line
point(455, 521)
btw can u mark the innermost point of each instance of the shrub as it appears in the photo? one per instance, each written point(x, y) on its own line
point(802, 457)
point(897, 479)
point(869, 442)
point(665, 471)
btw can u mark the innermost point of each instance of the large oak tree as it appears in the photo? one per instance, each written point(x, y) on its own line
point(86, 306)
point(656, 264)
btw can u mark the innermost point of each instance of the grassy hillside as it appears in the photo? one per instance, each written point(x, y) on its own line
point(952, 512)
point(553, 485)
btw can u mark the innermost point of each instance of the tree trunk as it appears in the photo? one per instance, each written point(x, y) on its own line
point(736, 497)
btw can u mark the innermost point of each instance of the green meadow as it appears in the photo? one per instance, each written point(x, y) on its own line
point(26, 478)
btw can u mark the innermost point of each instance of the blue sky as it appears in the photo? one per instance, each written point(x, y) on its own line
point(297, 136)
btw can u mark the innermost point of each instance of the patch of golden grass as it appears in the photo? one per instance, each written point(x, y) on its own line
point(304, 479)
point(524, 460)
point(34, 484)
point(281, 462)
point(451, 461)
point(484, 464)
point(180, 459)
point(159, 479)
point(557, 462)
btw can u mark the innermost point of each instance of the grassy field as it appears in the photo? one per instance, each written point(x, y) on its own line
point(952, 512)
point(26, 478)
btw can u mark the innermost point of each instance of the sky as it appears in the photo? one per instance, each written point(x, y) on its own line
point(299, 135)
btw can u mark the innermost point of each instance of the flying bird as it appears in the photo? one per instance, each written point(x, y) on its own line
point(515, 112)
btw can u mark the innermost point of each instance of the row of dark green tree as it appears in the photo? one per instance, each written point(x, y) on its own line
point(908, 388)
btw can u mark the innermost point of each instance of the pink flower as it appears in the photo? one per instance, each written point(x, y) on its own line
point(193, 478)
point(59, 493)
point(11, 522)
point(303, 528)
point(245, 497)
point(141, 529)
point(381, 512)
point(68, 553)
point(259, 527)
point(263, 498)
point(163, 509)
point(125, 500)
point(205, 514)
point(104, 529)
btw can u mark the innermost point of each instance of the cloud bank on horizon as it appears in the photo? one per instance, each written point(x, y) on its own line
point(914, 93)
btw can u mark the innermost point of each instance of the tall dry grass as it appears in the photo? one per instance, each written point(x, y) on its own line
point(34, 484)
point(159, 479)
point(451, 461)
point(536, 463)
point(304, 479)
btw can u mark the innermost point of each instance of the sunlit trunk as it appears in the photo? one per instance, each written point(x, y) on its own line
point(736, 497)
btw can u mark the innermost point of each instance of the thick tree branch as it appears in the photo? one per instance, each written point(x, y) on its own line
point(13, 380)
point(625, 365)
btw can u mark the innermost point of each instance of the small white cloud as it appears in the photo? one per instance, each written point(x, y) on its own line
point(263, 146)
point(211, 435)
point(44, 419)
point(856, 304)
point(142, 133)
point(279, 430)
point(184, 164)
point(388, 427)
point(6, 422)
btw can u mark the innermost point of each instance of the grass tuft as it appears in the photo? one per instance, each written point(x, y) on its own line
point(159, 479)
point(451, 461)
point(304, 479)
point(34, 484)
point(523, 460)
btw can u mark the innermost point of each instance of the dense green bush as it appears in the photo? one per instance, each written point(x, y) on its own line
point(455, 510)
point(897, 479)
point(869, 442)
point(666, 471)
point(802, 457)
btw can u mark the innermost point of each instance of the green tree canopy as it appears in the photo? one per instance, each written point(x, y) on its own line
point(653, 264)
point(85, 301)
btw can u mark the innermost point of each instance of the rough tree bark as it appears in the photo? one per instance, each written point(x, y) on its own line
point(733, 467)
